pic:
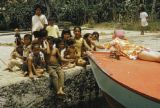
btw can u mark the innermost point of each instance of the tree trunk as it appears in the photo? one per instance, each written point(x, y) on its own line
point(153, 9)
point(48, 7)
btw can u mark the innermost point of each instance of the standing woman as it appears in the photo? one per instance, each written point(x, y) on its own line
point(143, 17)
point(39, 22)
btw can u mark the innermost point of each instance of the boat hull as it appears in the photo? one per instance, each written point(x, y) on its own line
point(121, 95)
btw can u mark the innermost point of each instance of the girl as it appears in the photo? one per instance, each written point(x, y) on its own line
point(66, 35)
point(88, 42)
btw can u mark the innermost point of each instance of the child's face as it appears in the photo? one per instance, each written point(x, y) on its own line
point(36, 50)
point(66, 36)
point(61, 45)
point(94, 37)
point(27, 41)
point(90, 37)
point(51, 22)
point(77, 32)
point(38, 11)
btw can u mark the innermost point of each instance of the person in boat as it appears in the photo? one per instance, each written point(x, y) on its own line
point(132, 51)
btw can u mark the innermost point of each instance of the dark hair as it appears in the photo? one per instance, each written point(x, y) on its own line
point(35, 45)
point(29, 36)
point(96, 34)
point(51, 19)
point(37, 6)
point(78, 28)
point(86, 35)
point(58, 41)
point(142, 8)
point(64, 31)
point(51, 39)
point(43, 33)
point(70, 42)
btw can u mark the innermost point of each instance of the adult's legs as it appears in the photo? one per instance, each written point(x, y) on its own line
point(149, 56)
point(142, 30)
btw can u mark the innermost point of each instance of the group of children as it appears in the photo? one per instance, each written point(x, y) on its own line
point(46, 53)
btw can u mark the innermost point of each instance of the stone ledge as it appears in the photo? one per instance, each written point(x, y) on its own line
point(21, 92)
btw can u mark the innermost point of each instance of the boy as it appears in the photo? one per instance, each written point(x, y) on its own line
point(54, 68)
point(52, 29)
point(36, 61)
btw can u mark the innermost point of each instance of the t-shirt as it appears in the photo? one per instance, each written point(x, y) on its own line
point(53, 31)
point(38, 22)
point(143, 16)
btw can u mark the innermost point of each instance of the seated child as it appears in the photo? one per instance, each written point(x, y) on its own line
point(71, 53)
point(26, 50)
point(16, 58)
point(36, 61)
point(62, 48)
point(54, 66)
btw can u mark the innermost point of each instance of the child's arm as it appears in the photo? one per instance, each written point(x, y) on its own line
point(48, 48)
point(61, 58)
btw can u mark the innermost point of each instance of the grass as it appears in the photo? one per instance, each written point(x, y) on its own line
point(7, 44)
point(153, 25)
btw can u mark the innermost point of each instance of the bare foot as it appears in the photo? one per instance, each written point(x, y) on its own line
point(31, 76)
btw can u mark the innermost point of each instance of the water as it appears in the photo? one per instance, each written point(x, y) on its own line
point(97, 103)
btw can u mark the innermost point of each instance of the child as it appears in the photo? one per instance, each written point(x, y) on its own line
point(79, 45)
point(143, 17)
point(118, 32)
point(71, 53)
point(26, 50)
point(54, 66)
point(88, 42)
point(66, 35)
point(79, 41)
point(36, 61)
point(95, 41)
point(62, 48)
point(52, 28)
point(18, 40)
point(16, 58)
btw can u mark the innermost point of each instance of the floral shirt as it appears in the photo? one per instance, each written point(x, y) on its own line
point(126, 48)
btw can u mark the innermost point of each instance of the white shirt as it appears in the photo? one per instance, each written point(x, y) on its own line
point(53, 31)
point(143, 16)
point(38, 22)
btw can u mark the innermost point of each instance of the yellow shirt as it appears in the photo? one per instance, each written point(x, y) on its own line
point(53, 31)
point(78, 46)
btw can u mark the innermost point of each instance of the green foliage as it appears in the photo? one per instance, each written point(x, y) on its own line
point(80, 12)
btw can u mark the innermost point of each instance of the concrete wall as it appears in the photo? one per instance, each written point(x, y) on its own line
point(39, 93)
